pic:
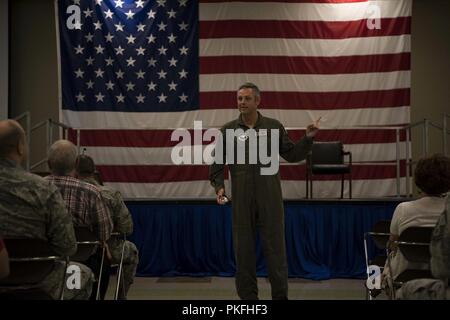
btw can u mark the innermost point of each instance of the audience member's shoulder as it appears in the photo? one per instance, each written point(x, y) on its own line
point(37, 180)
point(110, 193)
point(88, 186)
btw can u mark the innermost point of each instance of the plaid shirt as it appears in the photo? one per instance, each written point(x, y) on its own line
point(85, 204)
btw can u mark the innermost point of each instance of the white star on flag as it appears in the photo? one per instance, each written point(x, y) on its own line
point(130, 61)
point(110, 85)
point(89, 37)
point(80, 97)
point(162, 74)
point(79, 73)
point(119, 50)
point(172, 86)
point(99, 97)
point(140, 74)
point(151, 62)
point(90, 84)
point(162, 98)
point(140, 51)
point(151, 14)
point(120, 74)
point(109, 14)
point(129, 14)
point(140, 4)
point(140, 98)
point(119, 3)
point(183, 98)
point(130, 86)
point(79, 50)
point(120, 98)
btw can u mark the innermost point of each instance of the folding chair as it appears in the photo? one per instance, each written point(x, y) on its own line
point(380, 235)
point(328, 158)
point(31, 261)
point(122, 237)
point(88, 243)
point(414, 244)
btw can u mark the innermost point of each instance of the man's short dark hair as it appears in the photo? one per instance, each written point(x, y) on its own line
point(254, 87)
point(85, 165)
point(432, 174)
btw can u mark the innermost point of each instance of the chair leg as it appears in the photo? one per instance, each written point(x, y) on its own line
point(307, 184)
point(120, 272)
point(100, 274)
point(66, 265)
point(350, 184)
point(342, 187)
point(311, 187)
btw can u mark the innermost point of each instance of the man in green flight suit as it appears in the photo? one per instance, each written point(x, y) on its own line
point(257, 197)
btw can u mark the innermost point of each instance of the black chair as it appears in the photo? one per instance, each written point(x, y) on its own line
point(328, 158)
point(380, 236)
point(31, 261)
point(414, 244)
point(88, 244)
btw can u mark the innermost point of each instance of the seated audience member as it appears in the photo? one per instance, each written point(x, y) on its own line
point(432, 177)
point(438, 288)
point(121, 220)
point(31, 207)
point(83, 202)
point(4, 260)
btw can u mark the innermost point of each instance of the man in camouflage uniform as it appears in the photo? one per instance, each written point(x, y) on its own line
point(121, 220)
point(31, 207)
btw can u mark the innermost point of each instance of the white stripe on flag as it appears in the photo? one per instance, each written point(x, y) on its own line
point(308, 82)
point(372, 152)
point(302, 11)
point(332, 119)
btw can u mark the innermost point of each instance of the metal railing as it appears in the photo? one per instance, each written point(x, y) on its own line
point(425, 124)
point(49, 125)
point(26, 115)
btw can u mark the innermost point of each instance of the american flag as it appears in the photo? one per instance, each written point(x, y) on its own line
point(133, 71)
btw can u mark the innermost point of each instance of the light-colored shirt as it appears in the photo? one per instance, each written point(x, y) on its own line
point(423, 212)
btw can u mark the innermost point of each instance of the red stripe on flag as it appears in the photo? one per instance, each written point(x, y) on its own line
point(161, 138)
point(306, 65)
point(169, 173)
point(313, 100)
point(302, 29)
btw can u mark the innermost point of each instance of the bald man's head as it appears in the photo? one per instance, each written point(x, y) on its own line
point(12, 140)
point(62, 157)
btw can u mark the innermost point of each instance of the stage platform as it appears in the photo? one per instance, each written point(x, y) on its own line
point(324, 238)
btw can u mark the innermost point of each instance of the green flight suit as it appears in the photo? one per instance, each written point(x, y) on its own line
point(257, 203)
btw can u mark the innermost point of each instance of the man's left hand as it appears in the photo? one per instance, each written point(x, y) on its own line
point(313, 128)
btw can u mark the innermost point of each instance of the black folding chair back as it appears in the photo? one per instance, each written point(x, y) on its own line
point(31, 261)
point(88, 243)
point(414, 244)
